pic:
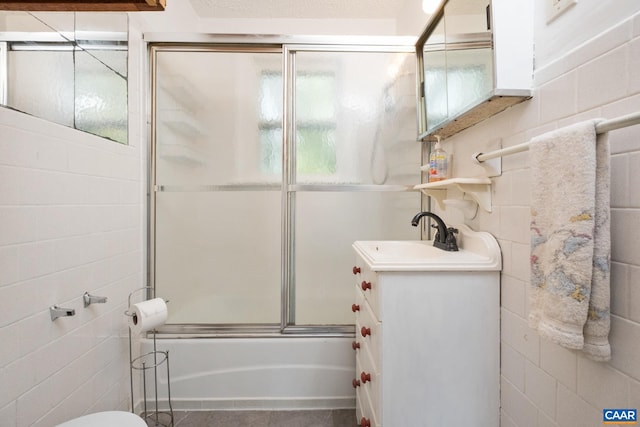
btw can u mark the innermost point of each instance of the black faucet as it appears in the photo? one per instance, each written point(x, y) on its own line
point(445, 238)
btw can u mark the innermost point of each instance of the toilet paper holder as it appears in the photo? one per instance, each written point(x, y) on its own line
point(129, 313)
point(147, 362)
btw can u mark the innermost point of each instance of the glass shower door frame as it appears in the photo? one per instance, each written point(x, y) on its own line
point(289, 186)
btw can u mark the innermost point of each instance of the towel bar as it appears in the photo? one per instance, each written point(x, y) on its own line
point(602, 127)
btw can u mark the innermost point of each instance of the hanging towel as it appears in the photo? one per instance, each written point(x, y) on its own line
point(570, 239)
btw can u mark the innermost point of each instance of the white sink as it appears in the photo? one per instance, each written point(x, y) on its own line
point(401, 249)
point(479, 251)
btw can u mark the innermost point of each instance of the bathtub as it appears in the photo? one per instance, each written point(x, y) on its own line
point(256, 373)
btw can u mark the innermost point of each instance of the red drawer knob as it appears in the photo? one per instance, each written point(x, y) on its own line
point(365, 422)
point(356, 269)
point(364, 377)
point(355, 345)
point(355, 307)
point(364, 331)
point(365, 285)
point(355, 383)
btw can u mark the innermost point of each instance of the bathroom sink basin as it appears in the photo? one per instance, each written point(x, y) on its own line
point(402, 249)
point(478, 251)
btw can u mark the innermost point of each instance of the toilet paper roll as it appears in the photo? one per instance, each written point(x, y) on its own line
point(147, 315)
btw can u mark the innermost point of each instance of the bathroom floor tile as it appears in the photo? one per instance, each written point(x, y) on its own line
point(302, 418)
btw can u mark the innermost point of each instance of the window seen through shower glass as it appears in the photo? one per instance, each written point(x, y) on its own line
point(315, 130)
point(372, 117)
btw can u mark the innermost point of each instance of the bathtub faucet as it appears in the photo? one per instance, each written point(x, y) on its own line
point(92, 299)
point(445, 238)
point(56, 312)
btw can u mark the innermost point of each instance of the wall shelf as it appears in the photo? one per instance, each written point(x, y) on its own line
point(479, 189)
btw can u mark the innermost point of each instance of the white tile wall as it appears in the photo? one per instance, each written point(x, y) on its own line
point(620, 289)
point(600, 385)
point(513, 295)
point(573, 411)
point(512, 366)
point(517, 406)
point(540, 388)
point(633, 300)
point(544, 384)
point(71, 220)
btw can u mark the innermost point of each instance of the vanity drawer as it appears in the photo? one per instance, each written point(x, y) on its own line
point(367, 282)
point(368, 333)
point(364, 409)
point(369, 389)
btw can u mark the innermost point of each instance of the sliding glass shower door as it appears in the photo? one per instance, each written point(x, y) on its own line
point(269, 161)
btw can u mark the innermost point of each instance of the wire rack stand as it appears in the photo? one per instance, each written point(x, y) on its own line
point(145, 363)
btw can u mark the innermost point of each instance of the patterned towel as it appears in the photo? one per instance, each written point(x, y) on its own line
point(570, 239)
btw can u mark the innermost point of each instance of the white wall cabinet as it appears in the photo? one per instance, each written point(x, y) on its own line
point(475, 60)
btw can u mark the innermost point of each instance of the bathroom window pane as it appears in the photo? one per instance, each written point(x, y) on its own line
point(40, 83)
point(50, 76)
point(354, 112)
point(217, 256)
point(315, 133)
point(327, 224)
point(316, 95)
point(101, 94)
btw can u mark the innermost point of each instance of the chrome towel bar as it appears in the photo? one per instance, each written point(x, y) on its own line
point(602, 127)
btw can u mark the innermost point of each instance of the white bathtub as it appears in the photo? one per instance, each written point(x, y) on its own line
point(256, 373)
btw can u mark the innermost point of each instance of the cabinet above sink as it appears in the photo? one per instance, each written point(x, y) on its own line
point(475, 59)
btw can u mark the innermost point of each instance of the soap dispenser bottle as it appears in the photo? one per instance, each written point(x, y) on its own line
point(438, 163)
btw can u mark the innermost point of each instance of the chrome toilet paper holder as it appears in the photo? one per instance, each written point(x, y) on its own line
point(144, 363)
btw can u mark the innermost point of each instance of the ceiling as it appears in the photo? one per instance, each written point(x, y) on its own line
point(298, 9)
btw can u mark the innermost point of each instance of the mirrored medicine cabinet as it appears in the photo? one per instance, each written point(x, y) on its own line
point(69, 68)
point(475, 59)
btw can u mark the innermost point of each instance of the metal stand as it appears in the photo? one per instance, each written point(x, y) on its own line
point(144, 363)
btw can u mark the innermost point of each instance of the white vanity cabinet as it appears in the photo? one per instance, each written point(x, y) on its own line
point(427, 341)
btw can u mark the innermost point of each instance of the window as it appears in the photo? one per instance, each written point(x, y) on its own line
point(315, 124)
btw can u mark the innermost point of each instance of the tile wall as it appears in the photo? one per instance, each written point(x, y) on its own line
point(545, 385)
point(71, 220)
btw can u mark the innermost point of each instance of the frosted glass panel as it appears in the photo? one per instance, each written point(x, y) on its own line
point(219, 118)
point(327, 224)
point(435, 83)
point(469, 78)
point(68, 68)
point(101, 95)
point(41, 83)
point(218, 244)
point(219, 162)
point(216, 259)
point(355, 123)
point(355, 117)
